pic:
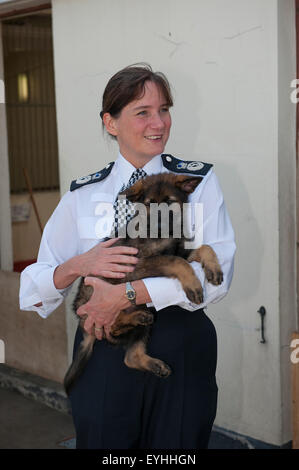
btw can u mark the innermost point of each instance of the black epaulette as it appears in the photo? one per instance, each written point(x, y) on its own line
point(183, 166)
point(93, 178)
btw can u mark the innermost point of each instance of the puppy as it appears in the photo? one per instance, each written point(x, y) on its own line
point(159, 256)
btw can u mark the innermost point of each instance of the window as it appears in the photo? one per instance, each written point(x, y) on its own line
point(30, 102)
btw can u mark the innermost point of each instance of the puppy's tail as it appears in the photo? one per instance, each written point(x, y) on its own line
point(79, 363)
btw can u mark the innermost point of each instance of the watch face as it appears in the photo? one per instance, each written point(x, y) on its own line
point(131, 295)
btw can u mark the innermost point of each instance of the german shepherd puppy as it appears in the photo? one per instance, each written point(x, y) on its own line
point(159, 256)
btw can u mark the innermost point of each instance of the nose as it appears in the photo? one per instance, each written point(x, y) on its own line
point(157, 122)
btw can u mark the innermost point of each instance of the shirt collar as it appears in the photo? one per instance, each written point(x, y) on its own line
point(125, 168)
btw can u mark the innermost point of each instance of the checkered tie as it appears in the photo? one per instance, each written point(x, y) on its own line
point(124, 209)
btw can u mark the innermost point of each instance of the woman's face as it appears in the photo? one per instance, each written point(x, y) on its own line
point(143, 127)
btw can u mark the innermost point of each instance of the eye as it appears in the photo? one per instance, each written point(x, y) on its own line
point(142, 113)
point(164, 109)
point(148, 202)
point(170, 201)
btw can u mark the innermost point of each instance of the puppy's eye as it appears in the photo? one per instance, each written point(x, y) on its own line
point(170, 201)
point(148, 202)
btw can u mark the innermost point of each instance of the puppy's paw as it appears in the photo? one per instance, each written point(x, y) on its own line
point(213, 274)
point(159, 368)
point(194, 291)
point(144, 319)
point(121, 329)
point(113, 339)
point(196, 296)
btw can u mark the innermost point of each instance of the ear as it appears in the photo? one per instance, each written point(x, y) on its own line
point(110, 124)
point(187, 183)
point(134, 193)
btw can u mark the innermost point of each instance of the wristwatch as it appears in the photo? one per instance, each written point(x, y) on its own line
point(130, 293)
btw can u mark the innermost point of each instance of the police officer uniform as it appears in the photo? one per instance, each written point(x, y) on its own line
point(114, 406)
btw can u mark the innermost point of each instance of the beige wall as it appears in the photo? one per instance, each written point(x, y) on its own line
point(26, 235)
point(225, 61)
point(31, 343)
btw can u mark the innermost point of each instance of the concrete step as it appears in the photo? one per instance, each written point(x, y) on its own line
point(42, 390)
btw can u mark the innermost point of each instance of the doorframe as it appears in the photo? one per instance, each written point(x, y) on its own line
point(10, 9)
point(16, 8)
point(6, 252)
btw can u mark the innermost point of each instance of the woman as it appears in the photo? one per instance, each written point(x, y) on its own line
point(114, 406)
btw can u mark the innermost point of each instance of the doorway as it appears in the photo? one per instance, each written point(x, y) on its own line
point(31, 130)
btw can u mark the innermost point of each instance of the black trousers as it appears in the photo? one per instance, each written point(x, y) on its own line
point(115, 407)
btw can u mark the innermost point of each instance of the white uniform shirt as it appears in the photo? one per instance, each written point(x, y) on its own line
point(74, 228)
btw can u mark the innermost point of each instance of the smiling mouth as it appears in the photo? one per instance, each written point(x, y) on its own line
point(153, 137)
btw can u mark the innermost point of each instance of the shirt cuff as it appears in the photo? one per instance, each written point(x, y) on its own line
point(46, 286)
point(165, 292)
point(44, 310)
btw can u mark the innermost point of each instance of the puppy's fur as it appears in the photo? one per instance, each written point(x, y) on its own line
point(158, 257)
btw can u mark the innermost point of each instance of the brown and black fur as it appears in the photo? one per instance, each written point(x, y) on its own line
point(158, 257)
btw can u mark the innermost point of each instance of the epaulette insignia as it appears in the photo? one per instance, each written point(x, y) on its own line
point(189, 167)
point(93, 178)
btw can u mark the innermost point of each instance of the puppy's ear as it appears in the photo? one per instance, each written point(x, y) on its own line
point(135, 192)
point(187, 183)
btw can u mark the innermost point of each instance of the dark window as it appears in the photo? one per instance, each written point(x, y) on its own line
point(30, 102)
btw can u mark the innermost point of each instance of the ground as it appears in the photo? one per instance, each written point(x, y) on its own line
point(27, 424)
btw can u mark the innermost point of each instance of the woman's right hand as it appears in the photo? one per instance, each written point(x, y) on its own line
point(107, 260)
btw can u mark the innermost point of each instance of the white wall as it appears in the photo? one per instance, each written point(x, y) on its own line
point(223, 60)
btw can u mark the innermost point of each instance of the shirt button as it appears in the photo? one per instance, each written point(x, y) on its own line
point(168, 159)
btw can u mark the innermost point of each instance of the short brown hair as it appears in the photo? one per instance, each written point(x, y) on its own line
point(129, 84)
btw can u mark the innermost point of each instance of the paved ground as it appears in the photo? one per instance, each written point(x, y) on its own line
point(28, 424)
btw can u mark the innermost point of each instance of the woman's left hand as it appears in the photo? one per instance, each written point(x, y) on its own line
point(103, 307)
